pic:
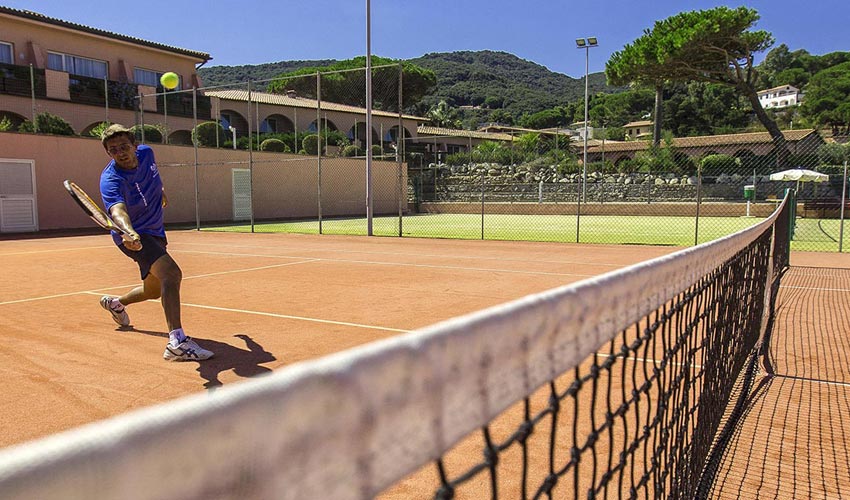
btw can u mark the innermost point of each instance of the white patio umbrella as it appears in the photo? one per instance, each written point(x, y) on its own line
point(799, 175)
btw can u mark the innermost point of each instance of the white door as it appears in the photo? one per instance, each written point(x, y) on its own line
point(18, 208)
point(241, 194)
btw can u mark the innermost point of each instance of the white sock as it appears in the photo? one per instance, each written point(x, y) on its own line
point(176, 336)
point(116, 305)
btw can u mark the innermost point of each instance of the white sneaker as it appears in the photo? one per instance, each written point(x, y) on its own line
point(188, 350)
point(119, 317)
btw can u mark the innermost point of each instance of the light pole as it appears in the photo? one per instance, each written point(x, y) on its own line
point(586, 44)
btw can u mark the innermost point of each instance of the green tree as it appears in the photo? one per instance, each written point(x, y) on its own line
point(339, 82)
point(714, 46)
point(776, 61)
point(443, 115)
point(827, 101)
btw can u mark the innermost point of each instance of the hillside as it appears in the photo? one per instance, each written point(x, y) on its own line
point(479, 81)
point(497, 79)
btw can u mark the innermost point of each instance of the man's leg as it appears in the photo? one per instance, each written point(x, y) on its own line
point(150, 289)
point(179, 347)
point(167, 274)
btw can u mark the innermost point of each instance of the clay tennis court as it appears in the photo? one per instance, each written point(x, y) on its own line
point(263, 302)
point(260, 302)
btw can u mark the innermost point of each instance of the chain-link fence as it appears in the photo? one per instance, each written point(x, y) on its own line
point(296, 154)
point(679, 192)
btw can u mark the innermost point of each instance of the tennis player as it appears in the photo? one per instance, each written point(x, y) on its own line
point(133, 196)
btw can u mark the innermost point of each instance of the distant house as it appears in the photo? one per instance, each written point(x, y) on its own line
point(738, 145)
point(69, 69)
point(439, 141)
point(780, 97)
point(638, 130)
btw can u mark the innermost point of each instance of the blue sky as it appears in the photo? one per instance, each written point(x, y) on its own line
point(542, 31)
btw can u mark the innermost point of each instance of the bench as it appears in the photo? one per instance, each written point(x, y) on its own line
point(825, 208)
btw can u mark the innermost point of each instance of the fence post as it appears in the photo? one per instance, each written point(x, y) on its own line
point(250, 157)
point(483, 173)
point(319, 146)
point(32, 92)
point(195, 147)
point(399, 151)
point(699, 201)
point(106, 98)
point(841, 219)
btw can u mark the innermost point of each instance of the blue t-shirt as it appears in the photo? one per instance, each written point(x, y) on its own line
point(139, 189)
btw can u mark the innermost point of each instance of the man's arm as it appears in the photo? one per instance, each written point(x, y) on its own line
point(119, 215)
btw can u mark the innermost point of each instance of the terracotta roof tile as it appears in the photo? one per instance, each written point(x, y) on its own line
point(297, 102)
point(708, 140)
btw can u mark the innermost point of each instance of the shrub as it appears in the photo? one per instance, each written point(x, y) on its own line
point(152, 133)
point(457, 159)
point(205, 134)
point(5, 124)
point(351, 150)
point(275, 145)
point(310, 144)
point(717, 164)
point(47, 124)
point(834, 154)
point(98, 129)
point(377, 150)
point(334, 138)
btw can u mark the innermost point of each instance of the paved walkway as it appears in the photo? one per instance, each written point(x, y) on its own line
point(792, 442)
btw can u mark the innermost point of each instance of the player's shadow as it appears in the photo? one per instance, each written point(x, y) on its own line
point(244, 362)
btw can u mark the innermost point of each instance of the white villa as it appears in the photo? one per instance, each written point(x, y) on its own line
point(780, 97)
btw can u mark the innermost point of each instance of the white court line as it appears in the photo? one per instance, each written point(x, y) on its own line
point(788, 287)
point(299, 318)
point(31, 252)
point(810, 380)
point(284, 316)
point(97, 291)
point(381, 263)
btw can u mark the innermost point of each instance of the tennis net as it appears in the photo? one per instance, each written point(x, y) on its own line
point(617, 386)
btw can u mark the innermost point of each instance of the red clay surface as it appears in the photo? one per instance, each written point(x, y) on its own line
point(259, 301)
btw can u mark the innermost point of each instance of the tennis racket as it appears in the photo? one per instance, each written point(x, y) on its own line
point(91, 208)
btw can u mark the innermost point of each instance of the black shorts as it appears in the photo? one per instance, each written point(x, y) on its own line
point(153, 247)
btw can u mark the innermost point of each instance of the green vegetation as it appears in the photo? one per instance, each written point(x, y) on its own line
point(338, 82)
point(488, 86)
point(46, 123)
point(275, 145)
point(152, 133)
point(713, 46)
point(5, 124)
point(205, 134)
point(810, 234)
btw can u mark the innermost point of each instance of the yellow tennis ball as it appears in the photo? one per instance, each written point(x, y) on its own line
point(169, 80)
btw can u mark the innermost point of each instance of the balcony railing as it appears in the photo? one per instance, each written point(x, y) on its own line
point(16, 80)
point(87, 90)
point(180, 104)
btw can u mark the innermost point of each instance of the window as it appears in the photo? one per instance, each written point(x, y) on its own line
point(6, 53)
point(76, 65)
point(147, 77)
